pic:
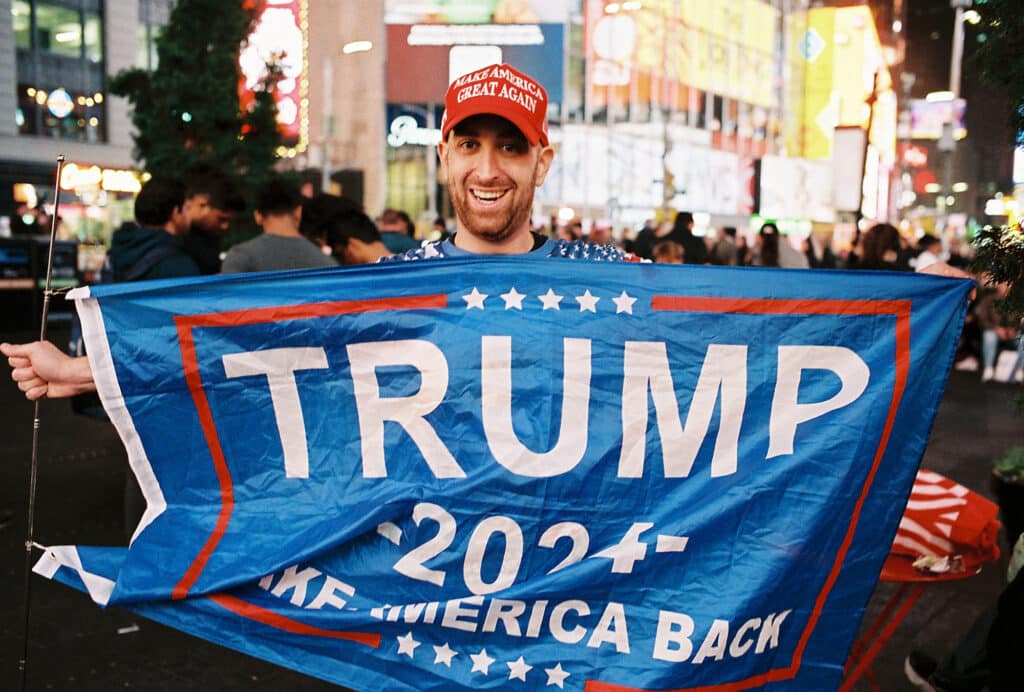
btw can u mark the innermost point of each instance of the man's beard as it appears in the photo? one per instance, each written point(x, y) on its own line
point(481, 225)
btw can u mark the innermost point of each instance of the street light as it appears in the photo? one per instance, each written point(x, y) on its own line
point(947, 143)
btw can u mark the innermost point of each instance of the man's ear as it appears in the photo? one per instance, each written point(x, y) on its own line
point(258, 218)
point(547, 155)
point(442, 170)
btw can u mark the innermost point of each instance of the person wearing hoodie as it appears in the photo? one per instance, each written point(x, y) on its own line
point(149, 248)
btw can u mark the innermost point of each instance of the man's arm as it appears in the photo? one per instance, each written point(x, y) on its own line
point(41, 369)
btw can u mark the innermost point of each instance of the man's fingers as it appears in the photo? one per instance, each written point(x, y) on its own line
point(18, 362)
point(36, 393)
point(13, 349)
point(24, 374)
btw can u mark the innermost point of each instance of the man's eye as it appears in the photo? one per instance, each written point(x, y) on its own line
point(513, 147)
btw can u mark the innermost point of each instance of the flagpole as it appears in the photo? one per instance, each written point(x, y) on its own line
point(30, 537)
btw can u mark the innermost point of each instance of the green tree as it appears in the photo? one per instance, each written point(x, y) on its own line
point(999, 252)
point(187, 110)
point(1000, 59)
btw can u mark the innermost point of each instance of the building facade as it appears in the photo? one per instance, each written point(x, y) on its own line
point(54, 58)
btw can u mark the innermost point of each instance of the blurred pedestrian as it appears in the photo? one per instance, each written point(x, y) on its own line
point(281, 245)
point(998, 328)
point(394, 230)
point(694, 250)
point(668, 252)
point(819, 255)
point(929, 251)
point(724, 250)
point(880, 248)
point(774, 250)
point(211, 201)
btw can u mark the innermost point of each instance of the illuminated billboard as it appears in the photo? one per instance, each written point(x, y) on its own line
point(422, 59)
point(280, 37)
point(837, 57)
point(928, 117)
point(476, 11)
point(660, 50)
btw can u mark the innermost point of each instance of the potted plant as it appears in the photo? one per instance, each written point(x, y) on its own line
point(1008, 485)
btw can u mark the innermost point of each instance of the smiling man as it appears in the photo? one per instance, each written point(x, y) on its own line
point(494, 154)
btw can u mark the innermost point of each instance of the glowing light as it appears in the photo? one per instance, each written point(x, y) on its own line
point(67, 36)
point(94, 121)
point(612, 8)
point(59, 102)
point(356, 47)
point(186, 117)
point(98, 97)
point(89, 102)
point(566, 214)
point(931, 188)
point(939, 96)
point(31, 92)
point(972, 17)
point(959, 187)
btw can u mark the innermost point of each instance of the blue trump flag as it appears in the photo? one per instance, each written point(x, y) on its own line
point(517, 472)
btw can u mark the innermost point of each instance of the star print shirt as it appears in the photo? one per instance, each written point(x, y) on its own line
point(575, 249)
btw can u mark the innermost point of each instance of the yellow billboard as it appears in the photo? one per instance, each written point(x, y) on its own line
point(835, 59)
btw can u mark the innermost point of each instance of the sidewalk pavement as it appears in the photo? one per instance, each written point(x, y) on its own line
point(76, 645)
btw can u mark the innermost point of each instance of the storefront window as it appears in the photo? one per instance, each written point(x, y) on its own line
point(21, 14)
point(58, 30)
point(62, 113)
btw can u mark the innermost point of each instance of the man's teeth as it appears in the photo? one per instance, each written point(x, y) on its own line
point(487, 196)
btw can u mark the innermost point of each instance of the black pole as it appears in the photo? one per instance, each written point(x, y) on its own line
point(30, 535)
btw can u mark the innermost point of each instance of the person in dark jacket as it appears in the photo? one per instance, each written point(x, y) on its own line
point(694, 250)
point(212, 200)
point(149, 248)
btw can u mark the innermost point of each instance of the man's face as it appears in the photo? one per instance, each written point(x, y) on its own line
point(492, 172)
point(206, 218)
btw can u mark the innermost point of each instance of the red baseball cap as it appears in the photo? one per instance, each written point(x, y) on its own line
point(498, 90)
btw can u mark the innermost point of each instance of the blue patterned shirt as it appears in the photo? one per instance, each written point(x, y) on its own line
point(569, 249)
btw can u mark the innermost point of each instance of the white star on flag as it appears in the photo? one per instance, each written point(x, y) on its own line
point(513, 299)
point(444, 654)
point(557, 676)
point(430, 251)
point(475, 299)
point(407, 645)
point(518, 669)
point(587, 302)
point(624, 303)
point(481, 662)
point(551, 300)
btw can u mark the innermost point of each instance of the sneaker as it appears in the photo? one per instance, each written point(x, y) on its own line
point(988, 374)
point(919, 667)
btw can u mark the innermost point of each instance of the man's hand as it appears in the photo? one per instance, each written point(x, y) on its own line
point(943, 269)
point(41, 369)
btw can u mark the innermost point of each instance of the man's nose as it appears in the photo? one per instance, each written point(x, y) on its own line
point(488, 166)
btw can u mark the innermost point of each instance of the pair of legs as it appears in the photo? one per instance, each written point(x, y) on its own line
point(990, 341)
